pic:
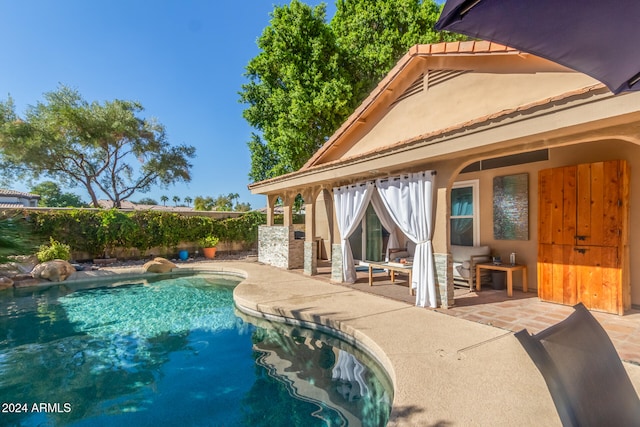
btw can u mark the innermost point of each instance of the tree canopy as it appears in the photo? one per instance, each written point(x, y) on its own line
point(105, 148)
point(147, 201)
point(310, 74)
point(225, 203)
point(297, 91)
point(52, 196)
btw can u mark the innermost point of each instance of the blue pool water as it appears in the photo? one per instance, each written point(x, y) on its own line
point(173, 352)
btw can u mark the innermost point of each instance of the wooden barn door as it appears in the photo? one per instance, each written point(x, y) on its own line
point(582, 236)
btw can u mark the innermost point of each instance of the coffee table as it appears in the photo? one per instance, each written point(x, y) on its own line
point(393, 268)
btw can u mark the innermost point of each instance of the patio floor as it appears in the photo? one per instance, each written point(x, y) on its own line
point(493, 307)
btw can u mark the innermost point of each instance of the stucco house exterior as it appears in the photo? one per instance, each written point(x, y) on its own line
point(530, 158)
point(16, 199)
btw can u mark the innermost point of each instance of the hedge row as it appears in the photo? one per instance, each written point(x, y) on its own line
point(99, 232)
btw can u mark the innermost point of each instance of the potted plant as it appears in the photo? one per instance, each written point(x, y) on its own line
point(208, 244)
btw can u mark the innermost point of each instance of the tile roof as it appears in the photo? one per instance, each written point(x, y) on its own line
point(14, 193)
point(12, 205)
point(126, 204)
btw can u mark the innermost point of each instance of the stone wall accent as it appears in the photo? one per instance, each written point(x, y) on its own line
point(336, 263)
point(273, 245)
point(444, 279)
point(277, 247)
point(310, 258)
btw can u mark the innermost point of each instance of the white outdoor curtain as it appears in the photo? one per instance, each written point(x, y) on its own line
point(350, 204)
point(409, 200)
point(387, 222)
point(349, 371)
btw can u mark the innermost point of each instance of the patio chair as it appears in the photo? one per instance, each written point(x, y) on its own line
point(586, 379)
point(407, 252)
point(465, 259)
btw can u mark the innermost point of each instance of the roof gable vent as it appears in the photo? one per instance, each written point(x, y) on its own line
point(416, 87)
point(440, 76)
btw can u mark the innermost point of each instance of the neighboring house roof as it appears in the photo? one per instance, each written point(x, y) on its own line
point(14, 193)
point(127, 205)
point(17, 199)
point(11, 205)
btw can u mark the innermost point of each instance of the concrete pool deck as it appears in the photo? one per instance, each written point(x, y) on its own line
point(445, 370)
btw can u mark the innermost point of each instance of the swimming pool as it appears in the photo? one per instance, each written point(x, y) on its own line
point(173, 352)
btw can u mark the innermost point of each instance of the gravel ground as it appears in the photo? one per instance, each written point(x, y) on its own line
point(220, 256)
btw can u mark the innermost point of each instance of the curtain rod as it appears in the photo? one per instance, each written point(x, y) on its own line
point(433, 173)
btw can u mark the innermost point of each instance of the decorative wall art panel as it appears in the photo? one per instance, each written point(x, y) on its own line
point(511, 207)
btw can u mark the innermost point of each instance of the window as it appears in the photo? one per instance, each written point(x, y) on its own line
point(464, 213)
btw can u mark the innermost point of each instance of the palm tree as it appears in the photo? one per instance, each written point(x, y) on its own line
point(188, 200)
point(176, 200)
point(164, 199)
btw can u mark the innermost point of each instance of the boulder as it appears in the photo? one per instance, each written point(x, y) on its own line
point(55, 271)
point(159, 265)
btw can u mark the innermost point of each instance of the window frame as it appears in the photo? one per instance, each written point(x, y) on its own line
point(474, 184)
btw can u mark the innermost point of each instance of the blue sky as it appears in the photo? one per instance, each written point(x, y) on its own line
point(182, 60)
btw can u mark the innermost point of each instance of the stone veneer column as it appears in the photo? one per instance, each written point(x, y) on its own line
point(310, 258)
point(336, 263)
point(310, 244)
point(444, 279)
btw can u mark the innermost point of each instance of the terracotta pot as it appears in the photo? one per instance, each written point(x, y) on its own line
point(209, 253)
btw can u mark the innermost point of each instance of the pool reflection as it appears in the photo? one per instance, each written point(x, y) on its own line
point(346, 385)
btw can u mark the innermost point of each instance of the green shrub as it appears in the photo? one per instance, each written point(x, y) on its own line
point(98, 231)
point(54, 250)
point(209, 242)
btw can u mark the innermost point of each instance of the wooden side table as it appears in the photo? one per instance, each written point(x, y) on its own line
point(504, 267)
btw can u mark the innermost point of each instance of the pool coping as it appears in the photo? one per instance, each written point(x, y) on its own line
point(446, 370)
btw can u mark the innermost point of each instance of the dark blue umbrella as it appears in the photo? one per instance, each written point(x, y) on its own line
point(596, 37)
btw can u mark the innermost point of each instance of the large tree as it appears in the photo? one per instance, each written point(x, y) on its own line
point(310, 74)
point(105, 148)
point(298, 93)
